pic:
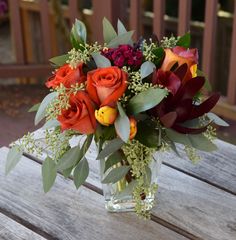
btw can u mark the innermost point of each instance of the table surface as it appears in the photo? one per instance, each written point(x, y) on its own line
point(194, 202)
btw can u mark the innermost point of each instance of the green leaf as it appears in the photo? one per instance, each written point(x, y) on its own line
point(43, 106)
point(198, 141)
point(147, 134)
point(146, 69)
point(86, 145)
point(109, 32)
point(13, 157)
point(113, 159)
point(124, 38)
point(67, 172)
point(116, 174)
point(81, 172)
point(146, 100)
point(78, 34)
point(217, 120)
point(184, 41)
point(49, 174)
point(59, 60)
point(122, 124)
point(121, 28)
point(69, 159)
point(159, 53)
point(111, 147)
point(207, 84)
point(128, 190)
point(34, 108)
point(51, 124)
point(101, 61)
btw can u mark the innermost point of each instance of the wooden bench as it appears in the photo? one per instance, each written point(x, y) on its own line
point(194, 202)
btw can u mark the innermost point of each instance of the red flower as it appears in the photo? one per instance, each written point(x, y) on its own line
point(67, 76)
point(106, 85)
point(80, 115)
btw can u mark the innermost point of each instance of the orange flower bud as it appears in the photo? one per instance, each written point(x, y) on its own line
point(106, 115)
point(133, 128)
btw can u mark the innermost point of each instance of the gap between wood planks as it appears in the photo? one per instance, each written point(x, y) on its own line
point(27, 224)
point(153, 217)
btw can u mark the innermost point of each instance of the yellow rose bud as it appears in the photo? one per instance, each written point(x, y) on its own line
point(193, 70)
point(106, 115)
point(133, 128)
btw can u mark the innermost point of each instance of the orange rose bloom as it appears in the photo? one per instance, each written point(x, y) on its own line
point(180, 55)
point(106, 85)
point(80, 115)
point(133, 128)
point(67, 76)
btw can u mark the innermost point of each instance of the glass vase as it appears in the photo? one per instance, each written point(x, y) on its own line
point(119, 196)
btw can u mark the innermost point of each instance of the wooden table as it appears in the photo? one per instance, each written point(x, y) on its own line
point(194, 202)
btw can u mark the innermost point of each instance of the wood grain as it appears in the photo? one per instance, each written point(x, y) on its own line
point(66, 213)
point(11, 230)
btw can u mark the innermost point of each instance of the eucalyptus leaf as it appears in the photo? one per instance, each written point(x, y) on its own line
point(49, 174)
point(184, 41)
point(69, 159)
point(122, 124)
point(198, 141)
point(34, 108)
point(128, 190)
point(116, 174)
point(113, 159)
point(124, 38)
point(81, 172)
point(78, 33)
point(43, 106)
point(100, 60)
point(67, 172)
point(121, 28)
point(110, 148)
point(146, 100)
point(217, 120)
point(13, 157)
point(59, 60)
point(109, 32)
point(51, 124)
point(146, 69)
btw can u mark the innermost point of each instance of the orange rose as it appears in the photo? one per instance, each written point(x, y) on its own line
point(133, 128)
point(180, 55)
point(67, 76)
point(106, 85)
point(80, 115)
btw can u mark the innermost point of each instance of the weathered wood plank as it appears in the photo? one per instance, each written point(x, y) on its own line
point(11, 230)
point(66, 213)
point(188, 203)
point(217, 168)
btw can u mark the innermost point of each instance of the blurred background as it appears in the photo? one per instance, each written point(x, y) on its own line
point(32, 31)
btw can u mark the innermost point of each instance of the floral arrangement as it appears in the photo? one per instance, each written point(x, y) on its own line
point(132, 98)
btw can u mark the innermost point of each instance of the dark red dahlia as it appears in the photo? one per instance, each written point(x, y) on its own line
point(124, 55)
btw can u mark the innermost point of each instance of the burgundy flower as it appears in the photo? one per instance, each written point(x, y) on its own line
point(178, 108)
point(124, 55)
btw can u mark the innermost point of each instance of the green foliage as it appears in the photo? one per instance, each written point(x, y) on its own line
point(217, 120)
point(184, 41)
point(122, 124)
point(147, 134)
point(207, 84)
point(111, 147)
point(124, 38)
point(101, 61)
point(34, 108)
point(13, 157)
point(146, 100)
point(78, 34)
point(81, 172)
point(116, 174)
point(49, 174)
point(109, 32)
point(121, 28)
point(113, 159)
point(146, 69)
point(52, 123)
point(59, 60)
point(198, 141)
point(43, 107)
